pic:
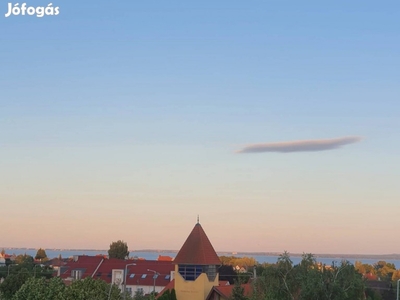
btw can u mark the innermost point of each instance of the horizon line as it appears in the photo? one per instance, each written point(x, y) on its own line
point(272, 253)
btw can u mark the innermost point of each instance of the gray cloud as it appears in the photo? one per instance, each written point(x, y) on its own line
point(301, 146)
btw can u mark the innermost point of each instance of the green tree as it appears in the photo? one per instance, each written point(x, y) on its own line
point(173, 295)
point(167, 295)
point(92, 289)
point(342, 282)
point(40, 288)
point(29, 288)
point(287, 275)
point(42, 271)
point(139, 295)
point(372, 295)
point(308, 280)
point(277, 281)
point(13, 283)
point(24, 259)
point(41, 255)
point(118, 250)
point(238, 292)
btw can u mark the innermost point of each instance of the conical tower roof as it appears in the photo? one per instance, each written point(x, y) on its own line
point(197, 249)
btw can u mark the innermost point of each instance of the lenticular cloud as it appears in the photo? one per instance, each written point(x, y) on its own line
point(301, 146)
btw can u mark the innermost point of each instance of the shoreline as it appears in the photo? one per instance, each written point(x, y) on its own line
point(229, 253)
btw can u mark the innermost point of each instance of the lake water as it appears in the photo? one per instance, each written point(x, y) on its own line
point(153, 255)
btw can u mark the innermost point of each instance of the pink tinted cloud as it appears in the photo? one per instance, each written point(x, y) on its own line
point(301, 146)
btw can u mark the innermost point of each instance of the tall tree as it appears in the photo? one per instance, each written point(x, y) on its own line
point(238, 292)
point(41, 254)
point(118, 250)
point(173, 295)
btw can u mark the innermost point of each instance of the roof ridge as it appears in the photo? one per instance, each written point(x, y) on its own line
point(95, 271)
point(197, 249)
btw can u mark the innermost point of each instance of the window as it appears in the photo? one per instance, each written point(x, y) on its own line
point(144, 276)
point(129, 290)
point(77, 274)
point(211, 272)
point(132, 275)
point(190, 272)
point(155, 276)
point(167, 277)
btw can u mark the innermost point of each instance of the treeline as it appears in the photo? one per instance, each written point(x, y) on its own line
point(310, 280)
point(240, 262)
point(34, 288)
point(54, 289)
point(381, 270)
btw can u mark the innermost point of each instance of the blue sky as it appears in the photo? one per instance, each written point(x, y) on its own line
point(122, 121)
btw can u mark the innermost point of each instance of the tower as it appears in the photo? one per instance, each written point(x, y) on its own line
point(196, 267)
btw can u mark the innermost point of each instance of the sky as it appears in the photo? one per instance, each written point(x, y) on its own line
point(277, 122)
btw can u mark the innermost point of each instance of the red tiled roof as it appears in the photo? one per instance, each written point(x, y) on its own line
point(197, 249)
point(87, 264)
point(165, 258)
point(168, 287)
point(135, 273)
point(225, 291)
point(100, 268)
point(370, 276)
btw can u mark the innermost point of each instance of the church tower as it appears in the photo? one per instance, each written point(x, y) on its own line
point(196, 267)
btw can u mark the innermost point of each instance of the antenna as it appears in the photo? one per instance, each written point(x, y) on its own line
point(198, 219)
